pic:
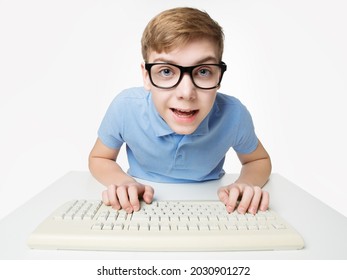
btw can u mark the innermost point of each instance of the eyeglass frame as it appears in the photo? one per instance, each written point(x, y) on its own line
point(186, 69)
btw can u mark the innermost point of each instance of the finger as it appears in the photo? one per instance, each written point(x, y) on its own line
point(253, 207)
point(122, 194)
point(105, 199)
point(234, 194)
point(112, 197)
point(223, 195)
point(264, 204)
point(148, 194)
point(133, 193)
point(246, 199)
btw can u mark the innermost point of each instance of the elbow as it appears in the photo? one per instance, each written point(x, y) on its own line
point(267, 167)
point(269, 164)
point(91, 163)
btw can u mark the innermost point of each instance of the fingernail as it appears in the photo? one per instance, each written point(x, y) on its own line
point(116, 207)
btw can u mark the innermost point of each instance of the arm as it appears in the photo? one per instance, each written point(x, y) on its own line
point(122, 190)
point(255, 171)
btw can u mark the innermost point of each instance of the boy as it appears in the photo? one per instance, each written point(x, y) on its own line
point(178, 128)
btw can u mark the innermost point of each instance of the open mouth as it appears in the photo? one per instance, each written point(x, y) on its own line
point(184, 113)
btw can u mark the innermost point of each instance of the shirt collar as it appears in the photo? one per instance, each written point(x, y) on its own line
point(161, 128)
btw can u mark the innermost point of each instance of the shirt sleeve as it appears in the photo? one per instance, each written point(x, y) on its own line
point(247, 140)
point(111, 127)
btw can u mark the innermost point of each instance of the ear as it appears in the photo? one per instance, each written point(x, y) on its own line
point(145, 76)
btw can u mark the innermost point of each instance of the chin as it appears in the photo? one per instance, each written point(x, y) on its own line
point(184, 130)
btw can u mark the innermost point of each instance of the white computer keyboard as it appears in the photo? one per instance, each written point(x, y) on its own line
point(162, 226)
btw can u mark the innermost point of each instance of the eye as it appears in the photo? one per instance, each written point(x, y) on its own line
point(203, 72)
point(166, 72)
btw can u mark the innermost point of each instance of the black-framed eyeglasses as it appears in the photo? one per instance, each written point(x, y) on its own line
point(168, 75)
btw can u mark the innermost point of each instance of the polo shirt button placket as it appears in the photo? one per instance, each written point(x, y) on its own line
point(179, 154)
point(179, 160)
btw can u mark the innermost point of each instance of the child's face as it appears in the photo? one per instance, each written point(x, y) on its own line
point(185, 106)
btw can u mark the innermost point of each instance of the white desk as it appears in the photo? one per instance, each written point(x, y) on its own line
point(323, 229)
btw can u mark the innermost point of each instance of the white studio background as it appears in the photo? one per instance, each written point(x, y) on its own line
point(62, 62)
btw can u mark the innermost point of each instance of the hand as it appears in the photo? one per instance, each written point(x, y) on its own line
point(250, 198)
point(127, 196)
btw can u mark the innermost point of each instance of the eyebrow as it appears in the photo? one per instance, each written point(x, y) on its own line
point(201, 61)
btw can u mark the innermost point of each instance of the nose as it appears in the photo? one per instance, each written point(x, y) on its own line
point(186, 89)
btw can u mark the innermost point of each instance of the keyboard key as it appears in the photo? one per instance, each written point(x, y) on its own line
point(165, 227)
point(155, 218)
point(107, 226)
point(204, 227)
point(154, 227)
point(231, 227)
point(143, 227)
point(133, 227)
point(97, 226)
point(242, 227)
point(263, 227)
point(214, 227)
point(252, 227)
point(193, 227)
point(279, 226)
point(118, 226)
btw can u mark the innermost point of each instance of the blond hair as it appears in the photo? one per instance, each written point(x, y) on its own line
point(176, 27)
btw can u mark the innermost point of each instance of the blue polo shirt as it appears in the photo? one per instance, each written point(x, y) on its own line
point(156, 153)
